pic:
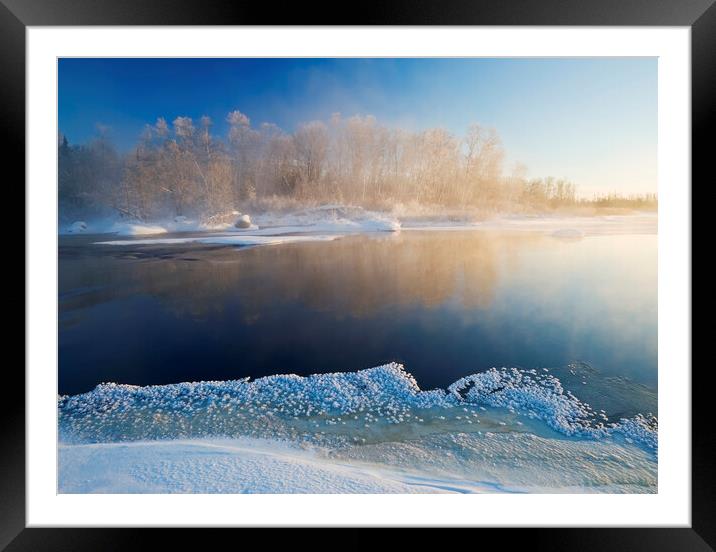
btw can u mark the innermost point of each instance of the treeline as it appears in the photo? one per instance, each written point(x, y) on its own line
point(614, 200)
point(186, 169)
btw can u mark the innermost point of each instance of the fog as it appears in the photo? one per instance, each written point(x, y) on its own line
point(183, 169)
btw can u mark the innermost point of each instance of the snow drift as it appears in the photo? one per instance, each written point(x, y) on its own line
point(374, 430)
point(283, 405)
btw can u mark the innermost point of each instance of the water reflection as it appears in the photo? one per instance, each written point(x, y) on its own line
point(445, 303)
point(353, 276)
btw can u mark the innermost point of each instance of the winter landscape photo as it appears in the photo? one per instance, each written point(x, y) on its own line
point(357, 275)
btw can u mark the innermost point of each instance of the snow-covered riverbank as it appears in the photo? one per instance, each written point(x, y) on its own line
point(465, 463)
point(373, 430)
point(222, 466)
point(334, 221)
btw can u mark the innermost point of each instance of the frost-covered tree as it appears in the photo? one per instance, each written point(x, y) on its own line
point(185, 169)
point(311, 146)
point(88, 176)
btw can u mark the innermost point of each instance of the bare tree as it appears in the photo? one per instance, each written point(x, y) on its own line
point(185, 170)
point(311, 146)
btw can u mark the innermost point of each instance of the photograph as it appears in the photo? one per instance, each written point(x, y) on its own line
point(357, 275)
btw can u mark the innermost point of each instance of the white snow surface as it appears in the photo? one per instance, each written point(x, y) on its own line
point(217, 466)
point(557, 226)
point(127, 228)
point(139, 229)
point(333, 221)
point(338, 219)
point(224, 239)
point(388, 394)
point(316, 224)
point(374, 430)
point(342, 220)
point(451, 463)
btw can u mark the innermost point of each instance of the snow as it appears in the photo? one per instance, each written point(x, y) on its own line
point(111, 226)
point(79, 226)
point(244, 221)
point(370, 431)
point(128, 229)
point(317, 224)
point(556, 226)
point(320, 223)
point(332, 218)
point(373, 430)
point(134, 228)
point(216, 466)
point(452, 463)
point(329, 222)
point(385, 394)
point(224, 239)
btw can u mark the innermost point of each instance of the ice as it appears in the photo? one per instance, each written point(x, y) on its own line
point(317, 224)
point(558, 226)
point(136, 229)
point(224, 239)
point(323, 223)
point(112, 226)
point(370, 431)
point(385, 399)
point(541, 396)
point(78, 226)
point(332, 221)
point(178, 223)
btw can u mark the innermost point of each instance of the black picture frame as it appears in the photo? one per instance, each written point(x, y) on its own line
point(699, 15)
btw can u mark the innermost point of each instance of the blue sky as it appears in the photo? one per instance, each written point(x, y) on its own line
point(592, 120)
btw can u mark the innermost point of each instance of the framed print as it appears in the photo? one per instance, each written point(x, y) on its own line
point(428, 268)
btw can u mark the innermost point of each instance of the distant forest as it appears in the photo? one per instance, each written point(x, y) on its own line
point(185, 169)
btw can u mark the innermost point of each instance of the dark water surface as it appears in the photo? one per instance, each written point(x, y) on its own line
point(445, 304)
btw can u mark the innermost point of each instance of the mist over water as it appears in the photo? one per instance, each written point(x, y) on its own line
point(347, 302)
point(443, 304)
